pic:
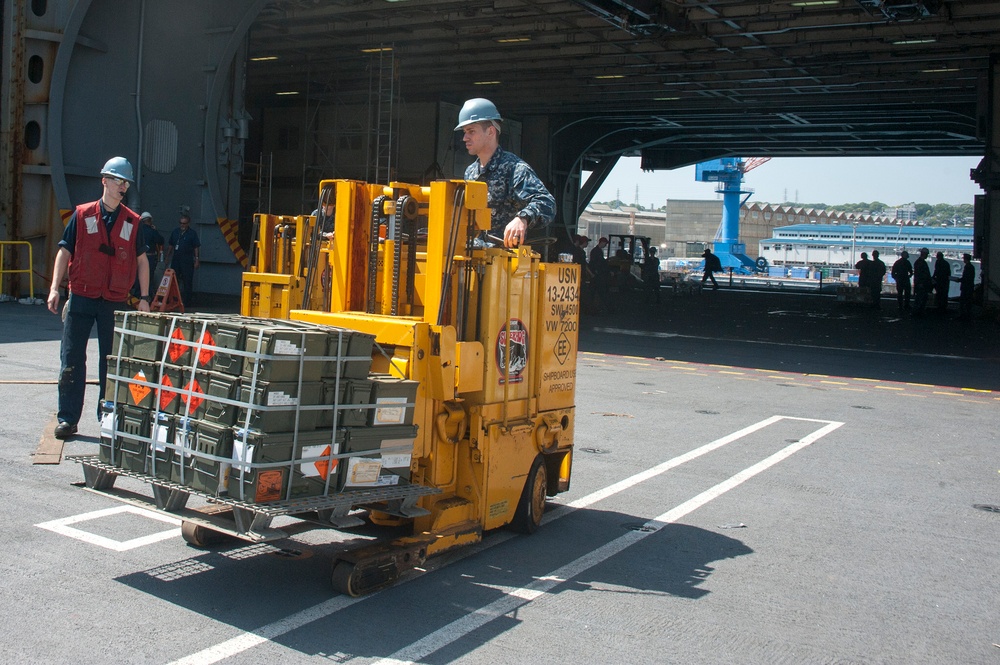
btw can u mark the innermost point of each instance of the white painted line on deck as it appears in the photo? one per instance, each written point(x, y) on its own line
point(266, 633)
point(62, 527)
point(517, 598)
point(663, 335)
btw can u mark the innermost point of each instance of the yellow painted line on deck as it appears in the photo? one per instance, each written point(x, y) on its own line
point(727, 372)
point(836, 383)
point(690, 369)
point(825, 376)
point(854, 390)
point(938, 392)
point(866, 380)
point(976, 390)
point(889, 388)
point(633, 363)
point(921, 385)
point(914, 395)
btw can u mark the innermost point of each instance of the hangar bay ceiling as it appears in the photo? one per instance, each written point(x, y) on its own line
point(677, 82)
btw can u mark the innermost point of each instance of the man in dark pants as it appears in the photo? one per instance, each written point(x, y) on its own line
point(922, 282)
point(712, 265)
point(183, 256)
point(102, 252)
point(942, 283)
point(651, 275)
point(153, 240)
point(875, 281)
point(968, 285)
point(901, 273)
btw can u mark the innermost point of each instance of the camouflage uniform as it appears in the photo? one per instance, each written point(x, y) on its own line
point(514, 191)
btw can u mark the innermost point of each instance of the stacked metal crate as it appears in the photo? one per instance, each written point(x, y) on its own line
point(258, 410)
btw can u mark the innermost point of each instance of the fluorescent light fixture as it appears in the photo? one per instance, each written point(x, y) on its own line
point(287, 92)
point(815, 3)
point(929, 40)
point(486, 83)
point(264, 58)
point(377, 49)
point(513, 40)
point(610, 76)
point(939, 70)
point(665, 99)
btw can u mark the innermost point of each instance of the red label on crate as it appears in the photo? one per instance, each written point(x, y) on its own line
point(269, 485)
point(325, 466)
point(139, 392)
point(166, 396)
point(196, 397)
point(206, 354)
point(176, 350)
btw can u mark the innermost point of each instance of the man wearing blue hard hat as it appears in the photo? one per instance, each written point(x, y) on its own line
point(102, 251)
point(516, 195)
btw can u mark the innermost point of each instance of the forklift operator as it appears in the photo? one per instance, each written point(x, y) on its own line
point(516, 195)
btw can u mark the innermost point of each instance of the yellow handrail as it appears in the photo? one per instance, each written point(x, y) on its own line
point(29, 269)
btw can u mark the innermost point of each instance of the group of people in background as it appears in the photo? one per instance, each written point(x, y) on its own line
point(924, 282)
point(600, 273)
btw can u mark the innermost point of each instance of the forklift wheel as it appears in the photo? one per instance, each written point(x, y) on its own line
point(199, 536)
point(342, 573)
point(528, 516)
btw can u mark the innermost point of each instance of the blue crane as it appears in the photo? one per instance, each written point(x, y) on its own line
point(728, 172)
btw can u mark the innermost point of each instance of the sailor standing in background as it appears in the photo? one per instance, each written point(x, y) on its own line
point(942, 283)
point(922, 282)
point(901, 273)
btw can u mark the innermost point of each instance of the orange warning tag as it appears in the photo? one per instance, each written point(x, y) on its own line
point(325, 466)
point(194, 400)
point(139, 392)
point(208, 350)
point(269, 485)
point(176, 350)
point(166, 396)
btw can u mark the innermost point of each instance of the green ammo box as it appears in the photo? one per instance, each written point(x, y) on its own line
point(229, 336)
point(351, 352)
point(393, 400)
point(108, 446)
point(207, 467)
point(164, 457)
point(271, 406)
point(139, 335)
point(132, 381)
point(263, 463)
point(180, 334)
point(168, 400)
point(354, 395)
point(377, 456)
point(133, 438)
point(161, 458)
point(208, 390)
point(283, 348)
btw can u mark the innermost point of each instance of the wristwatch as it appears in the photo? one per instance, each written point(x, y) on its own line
point(146, 298)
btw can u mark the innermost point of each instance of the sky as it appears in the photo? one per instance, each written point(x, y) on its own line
point(831, 180)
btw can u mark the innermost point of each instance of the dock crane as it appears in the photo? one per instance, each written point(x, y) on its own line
point(728, 172)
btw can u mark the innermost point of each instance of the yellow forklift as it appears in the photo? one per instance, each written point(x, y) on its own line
point(488, 333)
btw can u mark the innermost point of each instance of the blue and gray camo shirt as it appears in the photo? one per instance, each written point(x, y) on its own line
point(514, 191)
